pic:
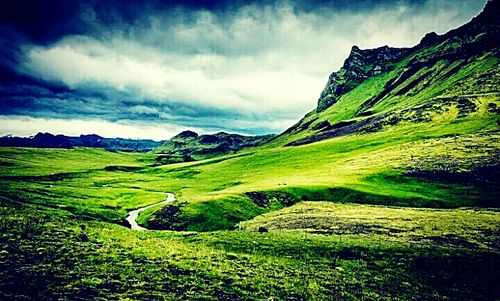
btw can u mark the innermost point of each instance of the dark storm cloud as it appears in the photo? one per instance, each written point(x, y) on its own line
point(39, 100)
point(247, 66)
point(49, 20)
point(44, 22)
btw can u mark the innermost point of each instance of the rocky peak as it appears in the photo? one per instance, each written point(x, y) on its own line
point(223, 134)
point(359, 65)
point(490, 12)
point(91, 137)
point(367, 56)
point(41, 135)
point(186, 135)
point(429, 39)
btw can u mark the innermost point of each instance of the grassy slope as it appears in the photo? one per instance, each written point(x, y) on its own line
point(360, 168)
point(463, 227)
point(79, 180)
point(203, 147)
point(51, 254)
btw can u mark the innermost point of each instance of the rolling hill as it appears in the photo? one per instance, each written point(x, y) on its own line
point(189, 146)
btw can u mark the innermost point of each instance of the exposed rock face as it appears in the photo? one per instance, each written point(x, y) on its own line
point(460, 63)
point(360, 65)
point(479, 35)
point(428, 39)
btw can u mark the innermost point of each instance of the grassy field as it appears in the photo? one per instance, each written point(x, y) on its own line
point(467, 228)
point(330, 233)
point(433, 167)
point(52, 254)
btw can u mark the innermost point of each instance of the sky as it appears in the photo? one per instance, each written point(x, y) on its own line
point(150, 69)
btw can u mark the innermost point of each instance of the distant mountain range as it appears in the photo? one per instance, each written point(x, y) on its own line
point(185, 146)
point(47, 140)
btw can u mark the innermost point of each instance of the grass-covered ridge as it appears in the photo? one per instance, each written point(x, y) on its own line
point(189, 146)
point(441, 70)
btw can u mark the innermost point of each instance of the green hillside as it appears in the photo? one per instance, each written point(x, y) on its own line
point(450, 76)
point(189, 146)
point(413, 127)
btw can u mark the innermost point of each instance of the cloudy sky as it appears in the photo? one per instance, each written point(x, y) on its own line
point(149, 69)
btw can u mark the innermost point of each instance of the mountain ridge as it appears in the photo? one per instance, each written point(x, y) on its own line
point(189, 145)
point(359, 66)
point(48, 140)
point(375, 87)
point(180, 146)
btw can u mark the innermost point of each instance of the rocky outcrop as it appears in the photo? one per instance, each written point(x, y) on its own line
point(442, 72)
point(189, 144)
point(480, 35)
point(185, 135)
point(359, 66)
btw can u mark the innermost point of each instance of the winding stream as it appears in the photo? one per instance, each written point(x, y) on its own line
point(132, 215)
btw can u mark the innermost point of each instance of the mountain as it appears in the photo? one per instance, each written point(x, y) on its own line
point(47, 140)
point(185, 146)
point(414, 127)
point(189, 146)
point(454, 75)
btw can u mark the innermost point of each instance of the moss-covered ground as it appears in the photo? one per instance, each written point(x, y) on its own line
point(375, 216)
point(51, 254)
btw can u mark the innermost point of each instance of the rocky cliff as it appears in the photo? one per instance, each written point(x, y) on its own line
point(359, 66)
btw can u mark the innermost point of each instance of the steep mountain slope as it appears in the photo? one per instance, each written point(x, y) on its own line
point(189, 146)
point(452, 75)
point(47, 140)
point(414, 127)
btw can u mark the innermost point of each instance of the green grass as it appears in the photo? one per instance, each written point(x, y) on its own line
point(63, 256)
point(56, 206)
point(21, 161)
point(87, 181)
point(462, 227)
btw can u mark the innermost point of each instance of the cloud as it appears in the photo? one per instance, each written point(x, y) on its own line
point(206, 80)
point(27, 126)
point(255, 67)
